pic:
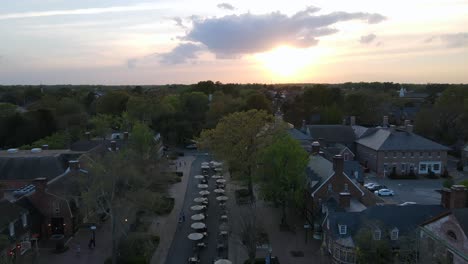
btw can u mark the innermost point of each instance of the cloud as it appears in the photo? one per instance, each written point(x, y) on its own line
point(180, 54)
point(454, 40)
point(83, 11)
point(367, 38)
point(226, 6)
point(178, 21)
point(248, 33)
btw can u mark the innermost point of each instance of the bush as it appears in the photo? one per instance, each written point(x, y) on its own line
point(165, 206)
point(465, 182)
point(448, 183)
point(137, 248)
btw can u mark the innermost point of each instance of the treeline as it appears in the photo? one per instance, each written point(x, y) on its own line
point(62, 114)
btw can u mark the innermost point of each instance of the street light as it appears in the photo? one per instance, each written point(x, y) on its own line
point(93, 229)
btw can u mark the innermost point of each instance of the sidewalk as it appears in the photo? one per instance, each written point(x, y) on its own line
point(165, 226)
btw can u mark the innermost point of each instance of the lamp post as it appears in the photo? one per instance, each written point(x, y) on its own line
point(93, 229)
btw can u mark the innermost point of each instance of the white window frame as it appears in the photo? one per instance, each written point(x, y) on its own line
point(342, 229)
point(11, 228)
point(394, 234)
point(377, 234)
point(427, 164)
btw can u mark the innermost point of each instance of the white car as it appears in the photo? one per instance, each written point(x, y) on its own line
point(384, 192)
point(407, 203)
point(370, 185)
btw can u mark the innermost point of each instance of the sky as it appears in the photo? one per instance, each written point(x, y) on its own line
point(132, 42)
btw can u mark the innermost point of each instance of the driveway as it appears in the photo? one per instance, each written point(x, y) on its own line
point(422, 191)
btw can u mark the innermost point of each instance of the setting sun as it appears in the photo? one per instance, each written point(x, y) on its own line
point(285, 61)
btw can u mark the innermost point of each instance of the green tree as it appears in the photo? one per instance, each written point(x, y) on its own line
point(101, 124)
point(369, 250)
point(142, 140)
point(112, 103)
point(260, 102)
point(237, 139)
point(283, 175)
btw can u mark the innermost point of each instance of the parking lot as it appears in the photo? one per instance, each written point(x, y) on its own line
point(422, 191)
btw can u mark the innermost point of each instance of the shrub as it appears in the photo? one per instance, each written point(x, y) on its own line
point(448, 183)
point(137, 248)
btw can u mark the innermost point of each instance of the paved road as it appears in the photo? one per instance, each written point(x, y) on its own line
point(182, 248)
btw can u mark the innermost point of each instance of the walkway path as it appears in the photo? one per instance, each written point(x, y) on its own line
point(165, 226)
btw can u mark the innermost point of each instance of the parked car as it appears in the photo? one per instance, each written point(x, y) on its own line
point(376, 187)
point(191, 146)
point(369, 184)
point(384, 192)
point(406, 203)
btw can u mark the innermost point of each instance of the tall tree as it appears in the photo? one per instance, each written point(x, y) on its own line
point(283, 175)
point(237, 139)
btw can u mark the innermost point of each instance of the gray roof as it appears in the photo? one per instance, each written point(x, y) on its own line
point(405, 218)
point(359, 130)
point(320, 167)
point(10, 212)
point(49, 167)
point(298, 135)
point(332, 133)
point(350, 166)
point(385, 139)
point(462, 217)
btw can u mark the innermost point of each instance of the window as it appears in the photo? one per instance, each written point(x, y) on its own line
point(342, 229)
point(412, 154)
point(24, 219)
point(377, 234)
point(436, 167)
point(422, 167)
point(452, 235)
point(12, 229)
point(394, 234)
point(330, 187)
point(346, 156)
point(346, 187)
point(394, 154)
point(403, 154)
point(403, 167)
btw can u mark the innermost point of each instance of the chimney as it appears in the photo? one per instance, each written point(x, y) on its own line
point(125, 135)
point(45, 147)
point(338, 164)
point(74, 165)
point(345, 199)
point(409, 128)
point(315, 148)
point(455, 197)
point(88, 135)
point(385, 121)
point(41, 184)
point(352, 120)
point(113, 145)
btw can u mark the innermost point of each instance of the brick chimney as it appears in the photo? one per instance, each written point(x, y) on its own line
point(315, 148)
point(41, 184)
point(345, 199)
point(125, 135)
point(113, 145)
point(385, 121)
point(74, 165)
point(338, 164)
point(352, 120)
point(455, 197)
point(88, 135)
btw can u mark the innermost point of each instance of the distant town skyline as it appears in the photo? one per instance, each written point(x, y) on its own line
point(181, 41)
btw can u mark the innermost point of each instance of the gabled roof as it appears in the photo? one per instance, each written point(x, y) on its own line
point(10, 212)
point(30, 167)
point(298, 135)
point(332, 133)
point(405, 218)
point(385, 139)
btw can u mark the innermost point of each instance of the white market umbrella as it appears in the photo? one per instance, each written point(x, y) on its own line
point(222, 198)
point(219, 169)
point(221, 181)
point(223, 261)
point(199, 200)
point(198, 217)
point(195, 236)
point(219, 191)
point(197, 207)
point(204, 192)
point(199, 176)
point(202, 186)
point(205, 163)
point(198, 225)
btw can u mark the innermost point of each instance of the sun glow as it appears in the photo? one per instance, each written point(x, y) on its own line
point(285, 61)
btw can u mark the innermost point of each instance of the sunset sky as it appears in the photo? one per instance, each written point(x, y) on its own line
point(266, 41)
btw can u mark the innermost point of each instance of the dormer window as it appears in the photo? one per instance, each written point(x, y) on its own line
point(343, 229)
point(394, 234)
point(377, 234)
